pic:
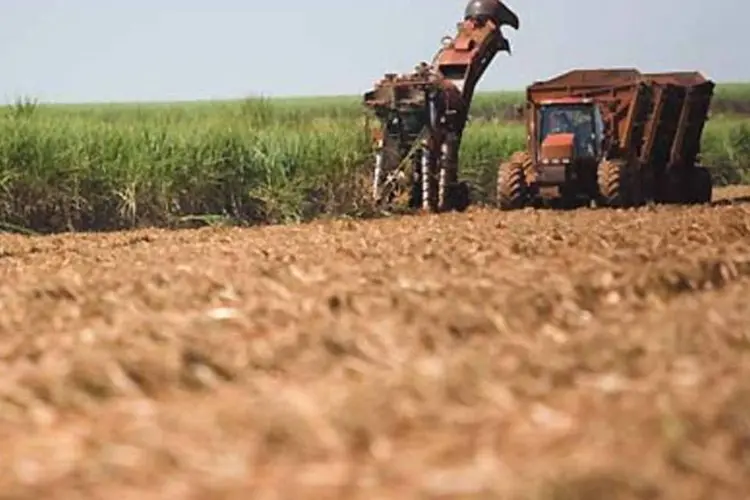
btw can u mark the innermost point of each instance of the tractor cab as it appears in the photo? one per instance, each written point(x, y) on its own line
point(568, 130)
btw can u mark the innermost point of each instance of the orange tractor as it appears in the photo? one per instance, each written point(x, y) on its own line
point(614, 137)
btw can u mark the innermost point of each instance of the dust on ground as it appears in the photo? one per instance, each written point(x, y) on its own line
point(530, 355)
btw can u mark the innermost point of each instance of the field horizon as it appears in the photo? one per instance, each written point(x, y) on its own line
point(736, 89)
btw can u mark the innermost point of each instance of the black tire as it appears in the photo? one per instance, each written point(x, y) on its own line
point(647, 185)
point(512, 190)
point(459, 196)
point(614, 183)
point(701, 186)
point(639, 190)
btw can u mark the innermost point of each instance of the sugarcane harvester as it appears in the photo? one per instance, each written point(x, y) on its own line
point(422, 115)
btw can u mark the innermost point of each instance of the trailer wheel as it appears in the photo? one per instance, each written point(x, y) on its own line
point(613, 180)
point(512, 191)
point(700, 186)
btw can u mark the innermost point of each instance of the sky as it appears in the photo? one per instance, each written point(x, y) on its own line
point(164, 50)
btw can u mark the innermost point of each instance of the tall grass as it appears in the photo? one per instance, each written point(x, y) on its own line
point(119, 166)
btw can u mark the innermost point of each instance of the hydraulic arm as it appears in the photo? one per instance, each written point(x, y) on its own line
point(423, 114)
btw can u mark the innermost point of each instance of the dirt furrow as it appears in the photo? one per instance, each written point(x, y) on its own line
point(516, 354)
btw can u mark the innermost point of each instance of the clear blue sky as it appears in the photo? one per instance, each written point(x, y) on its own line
point(118, 50)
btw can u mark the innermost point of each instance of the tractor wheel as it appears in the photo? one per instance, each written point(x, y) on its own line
point(524, 159)
point(614, 183)
point(512, 190)
point(700, 186)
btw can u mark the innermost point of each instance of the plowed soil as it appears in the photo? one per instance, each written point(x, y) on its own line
point(531, 355)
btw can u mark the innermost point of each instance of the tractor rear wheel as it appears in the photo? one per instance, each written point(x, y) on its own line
point(613, 178)
point(512, 189)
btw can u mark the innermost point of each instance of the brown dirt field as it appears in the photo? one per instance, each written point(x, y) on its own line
point(533, 355)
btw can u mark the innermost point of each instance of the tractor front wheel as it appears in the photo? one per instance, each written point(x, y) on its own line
point(512, 189)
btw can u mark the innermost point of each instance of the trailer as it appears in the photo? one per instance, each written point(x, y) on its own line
point(614, 137)
point(682, 101)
